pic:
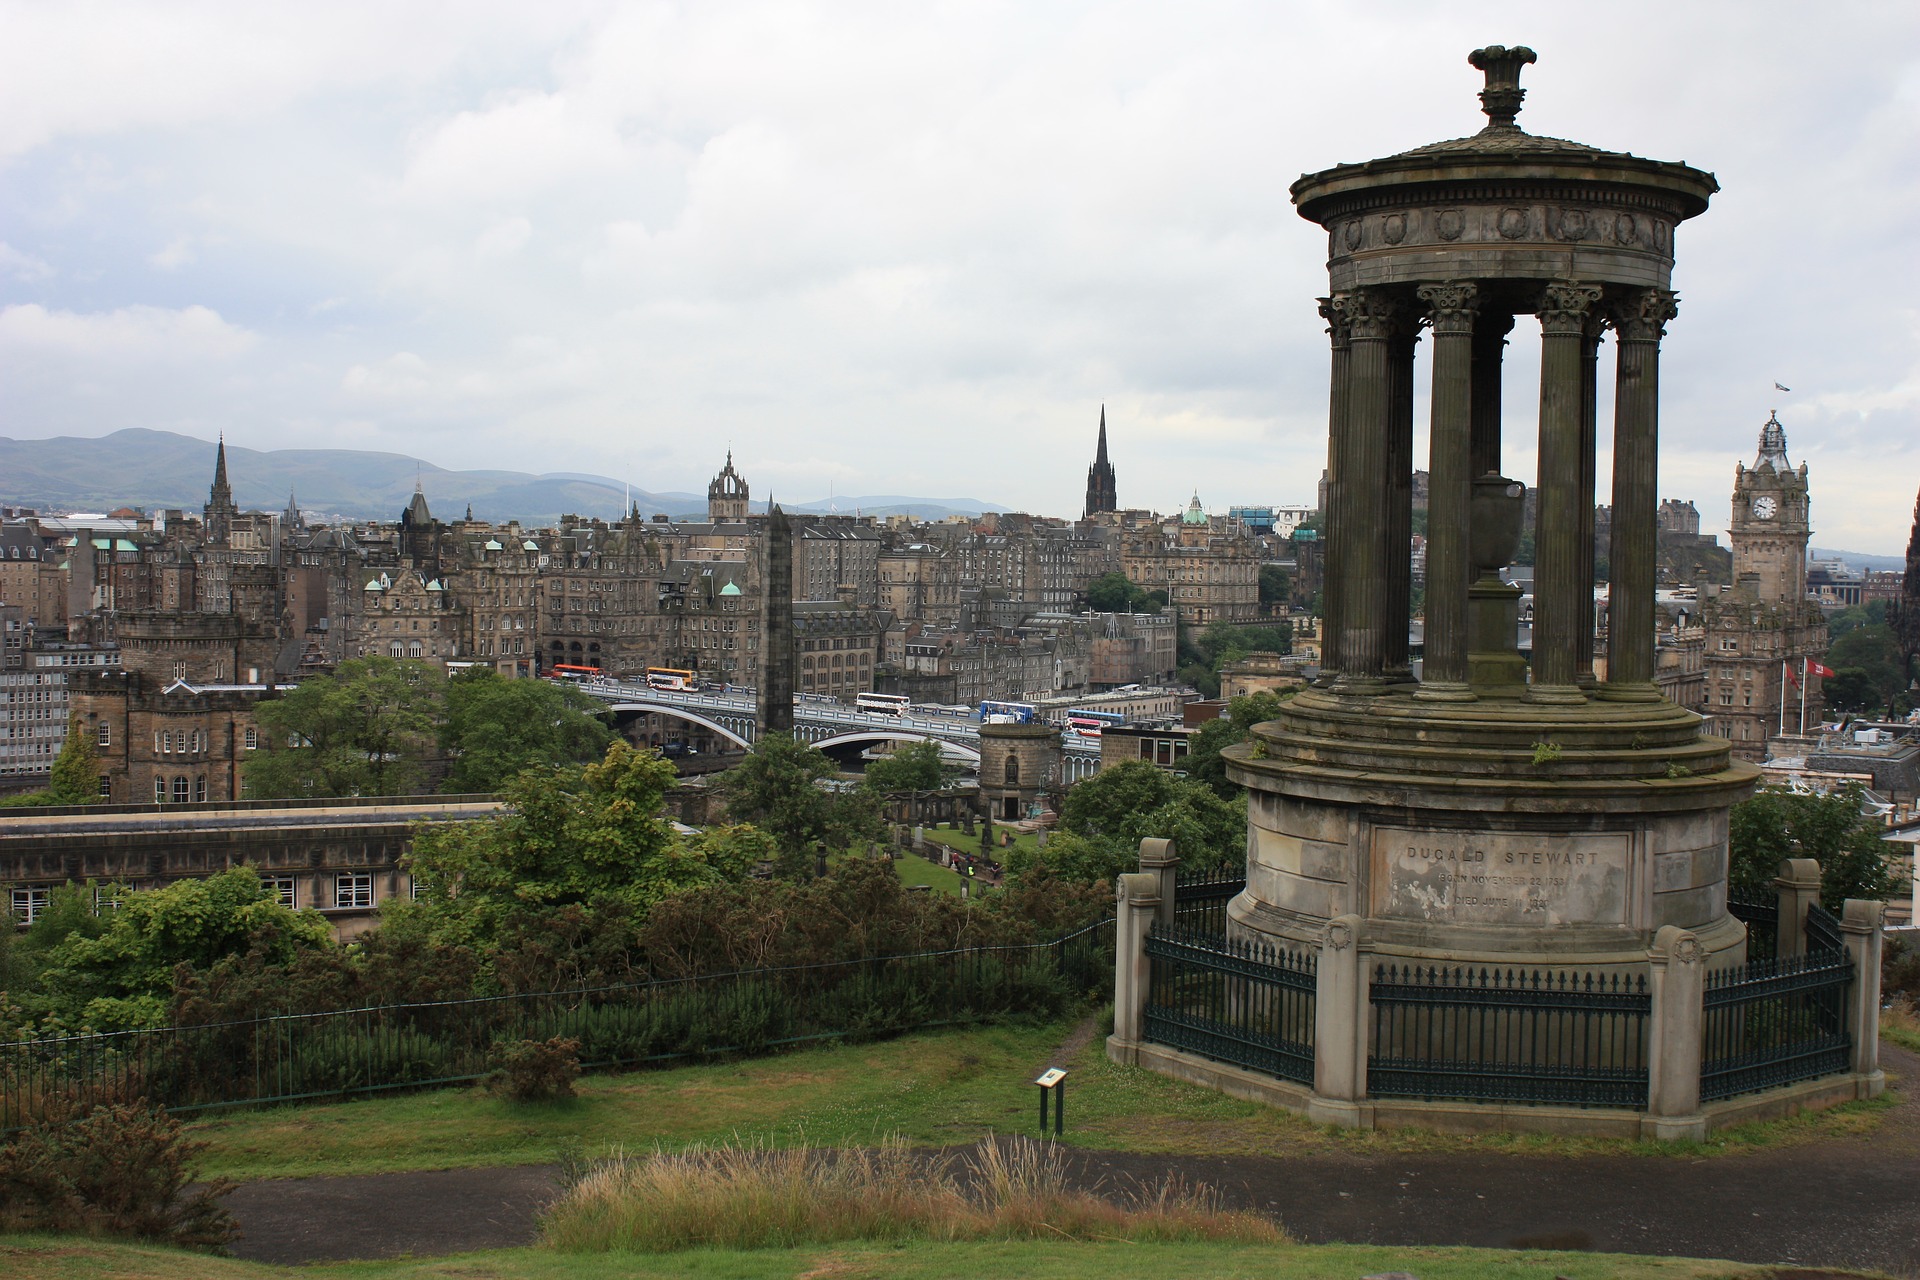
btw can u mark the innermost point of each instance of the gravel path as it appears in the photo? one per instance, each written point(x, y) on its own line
point(1848, 1202)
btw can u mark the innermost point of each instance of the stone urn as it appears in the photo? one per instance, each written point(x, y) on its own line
point(1498, 516)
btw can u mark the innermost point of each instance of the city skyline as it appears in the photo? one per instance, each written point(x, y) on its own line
point(889, 252)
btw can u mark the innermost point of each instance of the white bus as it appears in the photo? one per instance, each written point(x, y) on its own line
point(886, 704)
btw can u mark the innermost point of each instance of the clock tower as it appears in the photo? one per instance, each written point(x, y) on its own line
point(1770, 528)
point(1763, 634)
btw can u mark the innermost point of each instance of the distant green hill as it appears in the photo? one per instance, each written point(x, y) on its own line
point(158, 469)
point(154, 470)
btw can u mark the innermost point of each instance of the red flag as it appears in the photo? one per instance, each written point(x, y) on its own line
point(1787, 671)
point(1815, 668)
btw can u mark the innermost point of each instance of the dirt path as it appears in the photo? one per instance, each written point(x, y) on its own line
point(1849, 1202)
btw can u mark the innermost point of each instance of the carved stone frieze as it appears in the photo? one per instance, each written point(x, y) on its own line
point(1461, 225)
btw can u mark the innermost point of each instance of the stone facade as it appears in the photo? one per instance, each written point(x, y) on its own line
point(1019, 768)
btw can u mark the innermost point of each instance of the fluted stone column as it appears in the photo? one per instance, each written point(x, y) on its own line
point(1489, 346)
point(1639, 322)
point(1451, 309)
point(1333, 570)
point(1372, 316)
point(1564, 388)
point(1589, 486)
point(1395, 661)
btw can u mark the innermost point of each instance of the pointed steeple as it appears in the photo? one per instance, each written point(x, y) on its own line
point(1101, 495)
point(220, 510)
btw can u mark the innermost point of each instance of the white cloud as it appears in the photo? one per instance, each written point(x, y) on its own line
point(23, 266)
point(176, 253)
point(129, 333)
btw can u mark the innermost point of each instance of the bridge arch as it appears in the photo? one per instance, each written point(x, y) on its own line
point(681, 713)
point(947, 745)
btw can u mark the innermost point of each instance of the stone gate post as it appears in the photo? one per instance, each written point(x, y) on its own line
point(1160, 859)
point(1860, 923)
point(1798, 885)
point(1678, 988)
point(1137, 900)
point(1341, 1011)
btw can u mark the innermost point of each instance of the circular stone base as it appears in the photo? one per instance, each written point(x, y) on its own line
point(1496, 834)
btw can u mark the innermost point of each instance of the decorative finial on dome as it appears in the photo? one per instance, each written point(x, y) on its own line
point(1503, 95)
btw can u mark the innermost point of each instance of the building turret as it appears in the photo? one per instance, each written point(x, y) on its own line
point(727, 495)
point(220, 510)
point(1100, 482)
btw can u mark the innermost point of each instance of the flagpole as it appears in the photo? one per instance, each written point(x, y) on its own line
point(1783, 697)
point(1806, 674)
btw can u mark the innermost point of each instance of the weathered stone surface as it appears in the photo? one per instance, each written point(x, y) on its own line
point(1544, 879)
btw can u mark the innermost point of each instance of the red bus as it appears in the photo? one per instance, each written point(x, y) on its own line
point(565, 671)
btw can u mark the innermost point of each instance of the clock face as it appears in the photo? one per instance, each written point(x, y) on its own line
point(1765, 507)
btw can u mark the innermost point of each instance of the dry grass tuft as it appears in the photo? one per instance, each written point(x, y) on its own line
point(1900, 1023)
point(751, 1197)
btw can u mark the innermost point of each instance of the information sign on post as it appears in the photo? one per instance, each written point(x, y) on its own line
point(1053, 1081)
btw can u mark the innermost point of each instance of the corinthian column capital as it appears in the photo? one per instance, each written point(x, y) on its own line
point(1642, 315)
point(1451, 307)
point(1565, 307)
point(1371, 314)
point(1338, 328)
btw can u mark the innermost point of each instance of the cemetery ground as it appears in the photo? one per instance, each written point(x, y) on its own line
point(417, 1178)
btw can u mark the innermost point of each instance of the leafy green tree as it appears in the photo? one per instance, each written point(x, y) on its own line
point(1204, 763)
point(914, 767)
point(1275, 586)
point(1874, 651)
point(591, 836)
point(1851, 690)
point(496, 727)
point(75, 778)
point(1114, 593)
point(1778, 824)
point(1121, 805)
point(366, 730)
point(777, 788)
point(121, 977)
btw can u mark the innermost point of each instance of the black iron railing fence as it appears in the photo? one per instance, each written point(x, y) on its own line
point(1763, 925)
point(1776, 1021)
point(1201, 897)
point(1493, 1035)
point(1248, 1004)
point(355, 1051)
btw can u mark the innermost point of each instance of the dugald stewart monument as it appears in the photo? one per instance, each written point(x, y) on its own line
point(1495, 894)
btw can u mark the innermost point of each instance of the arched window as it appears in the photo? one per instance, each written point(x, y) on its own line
point(182, 789)
point(252, 738)
point(159, 789)
point(1013, 770)
point(397, 649)
point(200, 790)
point(415, 650)
point(166, 742)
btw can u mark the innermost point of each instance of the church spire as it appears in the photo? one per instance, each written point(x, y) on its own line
point(220, 511)
point(1101, 494)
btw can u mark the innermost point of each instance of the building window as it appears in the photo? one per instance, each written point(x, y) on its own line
point(200, 790)
point(353, 890)
point(281, 888)
point(182, 789)
point(103, 733)
point(251, 738)
point(29, 901)
point(106, 786)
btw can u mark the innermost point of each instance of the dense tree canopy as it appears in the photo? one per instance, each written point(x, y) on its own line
point(75, 778)
point(114, 970)
point(495, 727)
point(1204, 763)
point(1105, 818)
point(366, 730)
point(1203, 653)
point(910, 767)
point(778, 789)
point(1778, 824)
point(591, 836)
point(1113, 593)
point(1276, 587)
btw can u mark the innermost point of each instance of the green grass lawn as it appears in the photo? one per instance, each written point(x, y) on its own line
point(934, 1088)
point(957, 838)
point(67, 1258)
point(914, 869)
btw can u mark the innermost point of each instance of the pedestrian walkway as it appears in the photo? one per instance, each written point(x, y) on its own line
point(1845, 1202)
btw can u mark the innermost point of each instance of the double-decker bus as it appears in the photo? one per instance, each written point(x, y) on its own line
point(1007, 713)
point(1088, 723)
point(886, 704)
point(567, 671)
point(671, 678)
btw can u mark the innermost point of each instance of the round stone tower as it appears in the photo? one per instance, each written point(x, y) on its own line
point(1019, 764)
point(1493, 809)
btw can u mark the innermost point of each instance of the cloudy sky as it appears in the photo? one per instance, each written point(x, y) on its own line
point(901, 248)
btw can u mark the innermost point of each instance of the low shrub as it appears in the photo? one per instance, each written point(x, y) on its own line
point(117, 1169)
point(341, 1060)
point(534, 1070)
point(750, 1197)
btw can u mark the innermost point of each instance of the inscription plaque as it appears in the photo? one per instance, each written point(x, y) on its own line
point(1461, 877)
